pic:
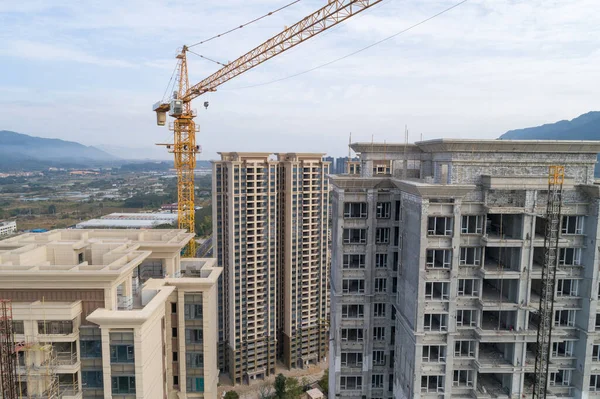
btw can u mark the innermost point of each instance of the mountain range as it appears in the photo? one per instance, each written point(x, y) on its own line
point(22, 152)
point(584, 127)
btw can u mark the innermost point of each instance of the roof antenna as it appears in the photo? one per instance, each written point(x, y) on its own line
point(404, 171)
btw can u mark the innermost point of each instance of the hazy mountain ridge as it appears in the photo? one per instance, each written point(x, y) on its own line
point(584, 127)
point(20, 151)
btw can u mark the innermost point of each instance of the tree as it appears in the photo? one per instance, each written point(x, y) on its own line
point(324, 382)
point(280, 386)
point(293, 390)
point(232, 395)
point(265, 391)
point(52, 209)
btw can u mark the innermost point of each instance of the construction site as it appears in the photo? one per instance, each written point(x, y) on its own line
point(466, 269)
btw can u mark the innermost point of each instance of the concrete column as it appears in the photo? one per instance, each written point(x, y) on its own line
point(128, 289)
point(106, 369)
point(139, 363)
point(169, 266)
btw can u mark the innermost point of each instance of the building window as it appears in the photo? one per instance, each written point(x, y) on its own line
point(91, 349)
point(173, 307)
point(435, 322)
point(353, 311)
point(466, 318)
point(379, 333)
point(383, 210)
point(572, 225)
point(122, 354)
point(175, 356)
point(18, 327)
point(194, 336)
point(432, 383)
point(566, 318)
point(377, 381)
point(596, 353)
point(352, 334)
point(434, 353)
point(381, 260)
point(176, 380)
point(439, 226)
point(472, 224)
point(470, 256)
point(380, 284)
point(378, 358)
point(439, 258)
point(468, 287)
point(355, 236)
point(379, 309)
point(193, 311)
point(350, 382)
point(382, 235)
point(463, 378)
point(353, 261)
point(437, 290)
point(567, 287)
point(562, 349)
point(174, 332)
point(55, 327)
point(194, 360)
point(354, 286)
point(352, 359)
point(569, 256)
point(560, 377)
point(92, 379)
point(464, 348)
point(195, 384)
point(123, 384)
point(355, 210)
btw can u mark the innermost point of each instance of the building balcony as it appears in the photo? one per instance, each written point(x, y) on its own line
point(490, 386)
point(492, 360)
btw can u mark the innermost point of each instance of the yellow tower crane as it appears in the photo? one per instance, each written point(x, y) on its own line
point(184, 145)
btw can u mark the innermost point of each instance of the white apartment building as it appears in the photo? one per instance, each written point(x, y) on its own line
point(8, 227)
point(111, 313)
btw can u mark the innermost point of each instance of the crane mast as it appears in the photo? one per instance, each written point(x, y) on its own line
point(556, 177)
point(184, 145)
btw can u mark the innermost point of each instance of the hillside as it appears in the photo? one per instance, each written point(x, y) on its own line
point(22, 152)
point(584, 127)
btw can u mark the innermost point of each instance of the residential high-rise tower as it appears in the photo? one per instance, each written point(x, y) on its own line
point(270, 235)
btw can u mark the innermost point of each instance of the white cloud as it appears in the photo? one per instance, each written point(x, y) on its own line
point(476, 71)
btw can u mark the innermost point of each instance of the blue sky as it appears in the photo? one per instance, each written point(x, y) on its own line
point(89, 71)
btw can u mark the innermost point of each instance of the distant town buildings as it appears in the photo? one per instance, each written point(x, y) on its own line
point(130, 221)
point(270, 218)
point(339, 166)
point(8, 227)
point(111, 313)
point(437, 257)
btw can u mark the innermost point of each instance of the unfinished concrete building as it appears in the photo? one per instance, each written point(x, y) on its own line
point(436, 267)
point(270, 232)
point(111, 313)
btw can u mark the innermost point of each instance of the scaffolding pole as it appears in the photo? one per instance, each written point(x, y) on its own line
point(8, 381)
point(556, 177)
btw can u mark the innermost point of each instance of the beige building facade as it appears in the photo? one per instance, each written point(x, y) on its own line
point(270, 236)
point(111, 313)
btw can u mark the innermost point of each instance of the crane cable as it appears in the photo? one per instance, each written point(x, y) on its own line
point(246, 24)
point(353, 53)
point(206, 58)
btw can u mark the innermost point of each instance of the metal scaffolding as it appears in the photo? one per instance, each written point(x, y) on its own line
point(8, 382)
point(556, 179)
